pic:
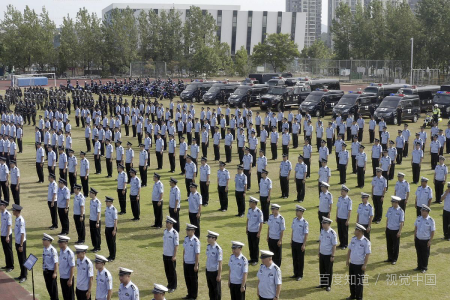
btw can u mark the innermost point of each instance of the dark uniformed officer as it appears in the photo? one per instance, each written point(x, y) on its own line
point(191, 254)
point(50, 266)
point(223, 177)
point(424, 195)
point(66, 268)
point(135, 199)
point(85, 273)
point(63, 206)
point(327, 249)
point(122, 179)
point(241, 184)
point(344, 156)
point(277, 226)
point(299, 236)
point(110, 227)
point(171, 241)
point(20, 237)
point(379, 185)
point(343, 213)
point(214, 257)
point(127, 289)
point(423, 235)
point(94, 220)
point(376, 155)
point(254, 226)
point(72, 163)
point(247, 163)
point(195, 208)
point(394, 225)
point(365, 214)
point(237, 278)
point(446, 213)
point(269, 278)
point(6, 236)
point(175, 203)
point(357, 259)
point(104, 285)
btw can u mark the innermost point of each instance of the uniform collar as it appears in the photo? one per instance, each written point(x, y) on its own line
point(191, 238)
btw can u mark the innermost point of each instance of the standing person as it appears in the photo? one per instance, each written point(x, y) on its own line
point(402, 190)
point(40, 157)
point(237, 278)
point(435, 145)
point(50, 266)
point(307, 150)
point(72, 163)
point(424, 195)
point(15, 182)
point(216, 143)
point(299, 236)
point(85, 273)
point(300, 178)
point(52, 201)
point(240, 181)
point(269, 278)
point(379, 185)
point(355, 150)
point(97, 156)
point(261, 165)
point(190, 173)
point(191, 254)
point(365, 215)
point(122, 180)
point(223, 178)
point(175, 203)
point(440, 178)
point(110, 227)
point(400, 144)
point(195, 208)
point(275, 233)
point(253, 229)
point(228, 145)
point(416, 162)
point(327, 249)
point(95, 211)
point(423, 236)
point(361, 163)
point(66, 268)
point(79, 208)
point(343, 213)
point(376, 156)
point(343, 163)
point(135, 199)
point(205, 172)
point(285, 172)
point(4, 182)
point(182, 155)
point(159, 150)
point(51, 160)
point(357, 260)
point(172, 147)
point(127, 289)
point(395, 218)
point(104, 285)
point(446, 213)
point(214, 257)
point(247, 162)
point(84, 173)
point(63, 206)
point(274, 135)
point(265, 189)
point(6, 236)
point(385, 165)
point(392, 153)
point(170, 249)
point(129, 156)
point(157, 199)
point(143, 164)
point(20, 237)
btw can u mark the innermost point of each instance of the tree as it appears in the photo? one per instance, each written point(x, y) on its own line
point(89, 35)
point(170, 35)
point(362, 41)
point(241, 62)
point(148, 26)
point(341, 28)
point(68, 49)
point(278, 50)
point(317, 50)
point(223, 52)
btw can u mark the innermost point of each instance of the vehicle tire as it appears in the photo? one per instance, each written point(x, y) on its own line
point(394, 121)
point(415, 118)
point(317, 113)
point(217, 102)
point(280, 107)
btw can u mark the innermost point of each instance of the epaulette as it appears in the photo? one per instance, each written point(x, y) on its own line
point(133, 287)
point(281, 217)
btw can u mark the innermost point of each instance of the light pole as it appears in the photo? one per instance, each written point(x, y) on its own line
point(412, 60)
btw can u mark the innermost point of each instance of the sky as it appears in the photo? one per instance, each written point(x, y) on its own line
point(59, 8)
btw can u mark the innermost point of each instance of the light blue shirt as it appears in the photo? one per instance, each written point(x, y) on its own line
point(395, 216)
point(238, 266)
point(365, 211)
point(240, 181)
point(401, 188)
point(49, 258)
point(265, 185)
point(269, 279)
point(66, 262)
point(328, 239)
point(85, 271)
point(325, 201)
point(63, 197)
point(6, 221)
point(379, 184)
point(95, 208)
point(191, 248)
point(344, 206)
point(190, 170)
point(214, 255)
point(223, 177)
point(110, 216)
point(255, 218)
point(104, 284)
point(359, 248)
point(158, 189)
point(276, 226)
point(300, 227)
point(285, 168)
point(170, 241)
point(425, 226)
point(78, 202)
point(175, 195)
point(195, 200)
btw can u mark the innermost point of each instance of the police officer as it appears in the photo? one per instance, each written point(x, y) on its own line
point(357, 259)
point(423, 235)
point(269, 278)
point(343, 213)
point(50, 266)
point(109, 151)
point(4, 174)
point(175, 203)
point(191, 254)
point(379, 185)
point(122, 179)
point(195, 208)
point(214, 257)
point(15, 181)
point(424, 194)
point(223, 178)
point(159, 291)
point(85, 273)
point(216, 144)
point(247, 162)
point(143, 156)
point(365, 214)
point(63, 206)
point(94, 220)
point(299, 236)
point(104, 285)
point(376, 156)
point(394, 225)
point(228, 145)
point(52, 201)
point(416, 161)
point(435, 146)
point(253, 229)
point(6, 236)
point(72, 163)
point(344, 156)
point(127, 289)
point(285, 172)
point(402, 190)
point(66, 268)
point(84, 173)
point(440, 178)
point(205, 172)
point(110, 227)
point(446, 213)
point(300, 178)
point(135, 199)
point(275, 232)
point(325, 203)
point(274, 135)
point(172, 145)
point(159, 150)
point(241, 188)
point(327, 249)
point(171, 240)
point(237, 278)
point(190, 172)
point(361, 162)
point(20, 238)
point(40, 157)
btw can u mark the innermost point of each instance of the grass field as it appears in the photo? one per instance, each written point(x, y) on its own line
point(139, 247)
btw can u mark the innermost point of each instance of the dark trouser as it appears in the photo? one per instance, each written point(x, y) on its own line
point(204, 191)
point(392, 244)
point(277, 251)
point(7, 250)
point(253, 153)
point(416, 172)
point(330, 145)
point(391, 172)
point(447, 146)
point(85, 185)
point(68, 292)
point(262, 145)
point(111, 242)
point(127, 130)
point(136, 207)
point(128, 169)
point(446, 223)
point(273, 148)
point(307, 162)
point(15, 194)
point(258, 176)
point(98, 164)
point(349, 133)
point(240, 154)
point(182, 163)
point(214, 287)
point(434, 160)
point(191, 279)
point(22, 256)
point(235, 292)
point(300, 189)
point(258, 130)
point(171, 161)
point(5, 191)
point(62, 174)
point(249, 178)
point(223, 197)
point(322, 214)
point(418, 210)
point(133, 128)
point(216, 152)
point(73, 181)
point(371, 136)
point(402, 204)
point(298, 258)
point(342, 173)
point(318, 143)
point(295, 140)
point(360, 175)
point(53, 213)
point(170, 268)
point(205, 149)
point(366, 233)
point(240, 201)
point(51, 284)
point(95, 234)
point(19, 143)
point(399, 156)
point(196, 222)
point(354, 164)
point(187, 182)
point(143, 173)
point(405, 150)
point(423, 253)
point(64, 219)
point(375, 165)
point(439, 188)
point(360, 134)
point(356, 281)
point(159, 159)
point(342, 232)
point(81, 295)
point(265, 207)
point(80, 227)
point(40, 172)
point(285, 149)
point(109, 168)
point(176, 216)
point(88, 145)
point(140, 138)
point(228, 153)
point(325, 270)
point(189, 138)
point(122, 200)
point(441, 151)
point(253, 246)
point(284, 186)
point(157, 212)
point(378, 207)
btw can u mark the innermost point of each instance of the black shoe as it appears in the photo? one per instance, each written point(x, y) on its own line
point(388, 260)
point(394, 262)
point(23, 280)
point(293, 276)
point(320, 287)
point(9, 270)
point(171, 291)
point(328, 289)
point(417, 269)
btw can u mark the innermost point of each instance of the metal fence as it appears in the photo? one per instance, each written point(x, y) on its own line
point(148, 69)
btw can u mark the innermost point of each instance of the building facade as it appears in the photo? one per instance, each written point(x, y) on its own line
point(234, 26)
point(313, 11)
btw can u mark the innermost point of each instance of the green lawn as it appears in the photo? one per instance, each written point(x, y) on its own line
point(139, 247)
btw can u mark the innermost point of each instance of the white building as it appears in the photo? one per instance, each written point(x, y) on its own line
point(313, 10)
point(235, 27)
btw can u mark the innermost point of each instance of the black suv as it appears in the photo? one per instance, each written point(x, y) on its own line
point(276, 97)
point(311, 104)
point(349, 102)
point(214, 94)
point(195, 91)
point(388, 108)
point(426, 94)
point(442, 99)
point(248, 95)
point(297, 94)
